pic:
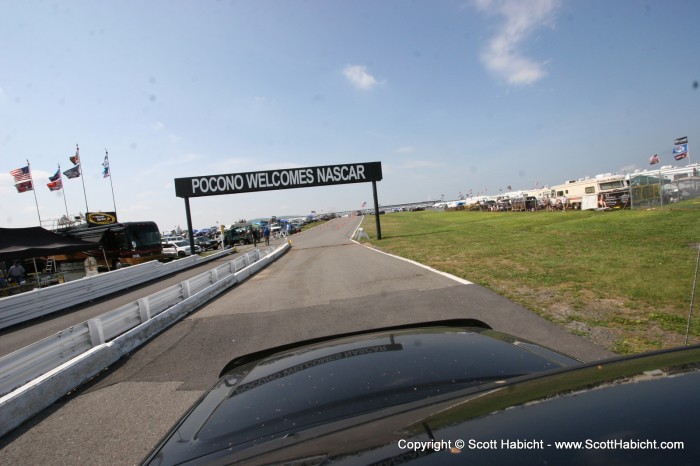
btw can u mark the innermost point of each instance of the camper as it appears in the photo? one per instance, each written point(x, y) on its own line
point(585, 193)
point(117, 244)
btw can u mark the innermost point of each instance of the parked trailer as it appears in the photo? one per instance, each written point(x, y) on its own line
point(579, 193)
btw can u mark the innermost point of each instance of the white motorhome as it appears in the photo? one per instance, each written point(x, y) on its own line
point(583, 193)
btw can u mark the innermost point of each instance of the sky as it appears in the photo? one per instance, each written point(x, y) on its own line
point(451, 96)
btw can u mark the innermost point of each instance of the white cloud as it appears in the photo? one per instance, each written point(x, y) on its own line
point(521, 18)
point(404, 150)
point(359, 77)
point(158, 126)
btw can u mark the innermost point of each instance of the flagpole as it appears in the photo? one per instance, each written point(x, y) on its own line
point(63, 191)
point(109, 173)
point(82, 178)
point(31, 179)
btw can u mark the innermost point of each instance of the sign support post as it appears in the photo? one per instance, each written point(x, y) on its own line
point(376, 210)
point(190, 231)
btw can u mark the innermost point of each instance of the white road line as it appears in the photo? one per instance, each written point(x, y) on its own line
point(439, 272)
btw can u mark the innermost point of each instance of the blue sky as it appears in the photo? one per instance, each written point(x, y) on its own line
point(451, 97)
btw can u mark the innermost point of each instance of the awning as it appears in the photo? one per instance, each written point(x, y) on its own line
point(22, 243)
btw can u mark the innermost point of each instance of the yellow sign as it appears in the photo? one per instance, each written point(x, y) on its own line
point(101, 218)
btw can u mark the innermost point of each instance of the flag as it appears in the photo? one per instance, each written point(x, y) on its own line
point(364, 204)
point(105, 167)
point(56, 176)
point(654, 159)
point(683, 140)
point(73, 172)
point(76, 158)
point(680, 151)
point(55, 185)
point(21, 174)
point(24, 186)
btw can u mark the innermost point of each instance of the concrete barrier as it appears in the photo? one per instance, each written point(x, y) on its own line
point(89, 350)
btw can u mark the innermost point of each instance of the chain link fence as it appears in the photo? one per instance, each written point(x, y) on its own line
point(665, 186)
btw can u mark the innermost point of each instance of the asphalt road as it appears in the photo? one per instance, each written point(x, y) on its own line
point(326, 284)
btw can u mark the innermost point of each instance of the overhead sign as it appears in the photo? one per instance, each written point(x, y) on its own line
point(287, 178)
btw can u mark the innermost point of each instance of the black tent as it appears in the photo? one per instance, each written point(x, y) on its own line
point(23, 243)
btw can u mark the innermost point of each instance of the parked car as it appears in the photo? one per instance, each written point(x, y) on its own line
point(170, 239)
point(206, 243)
point(441, 393)
point(237, 235)
point(177, 249)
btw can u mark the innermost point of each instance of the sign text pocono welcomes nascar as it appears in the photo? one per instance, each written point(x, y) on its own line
point(277, 179)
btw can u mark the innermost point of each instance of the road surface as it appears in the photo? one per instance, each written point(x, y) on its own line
point(326, 284)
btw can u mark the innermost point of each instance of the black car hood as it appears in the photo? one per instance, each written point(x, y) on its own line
point(635, 410)
point(280, 392)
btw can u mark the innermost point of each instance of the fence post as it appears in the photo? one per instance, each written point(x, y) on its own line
point(97, 335)
point(186, 291)
point(144, 309)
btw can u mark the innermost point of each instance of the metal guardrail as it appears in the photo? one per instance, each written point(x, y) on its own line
point(34, 377)
point(43, 301)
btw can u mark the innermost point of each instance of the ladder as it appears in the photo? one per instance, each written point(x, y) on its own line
point(50, 265)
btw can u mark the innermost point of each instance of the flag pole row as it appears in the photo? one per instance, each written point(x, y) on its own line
point(24, 181)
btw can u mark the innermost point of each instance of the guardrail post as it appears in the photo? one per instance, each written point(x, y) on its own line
point(144, 309)
point(214, 276)
point(186, 291)
point(232, 267)
point(97, 334)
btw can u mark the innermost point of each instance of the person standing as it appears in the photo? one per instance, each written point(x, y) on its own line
point(254, 236)
point(266, 234)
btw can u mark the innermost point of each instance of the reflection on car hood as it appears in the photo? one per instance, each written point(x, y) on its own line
point(279, 392)
point(635, 410)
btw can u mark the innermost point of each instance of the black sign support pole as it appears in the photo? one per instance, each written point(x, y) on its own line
point(190, 232)
point(376, 209)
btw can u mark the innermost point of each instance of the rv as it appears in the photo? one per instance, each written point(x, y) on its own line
point(117, 244)
point(585, 193)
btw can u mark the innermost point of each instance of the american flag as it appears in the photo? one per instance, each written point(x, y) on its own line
point(21, 174)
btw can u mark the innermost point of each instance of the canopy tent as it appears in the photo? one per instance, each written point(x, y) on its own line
point(23, 243)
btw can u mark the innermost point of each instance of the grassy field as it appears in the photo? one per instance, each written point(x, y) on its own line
point(623, 279)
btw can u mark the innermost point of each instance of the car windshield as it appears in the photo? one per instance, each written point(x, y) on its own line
point(182, 244)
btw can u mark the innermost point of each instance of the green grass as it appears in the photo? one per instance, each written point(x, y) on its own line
point(627, 275)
